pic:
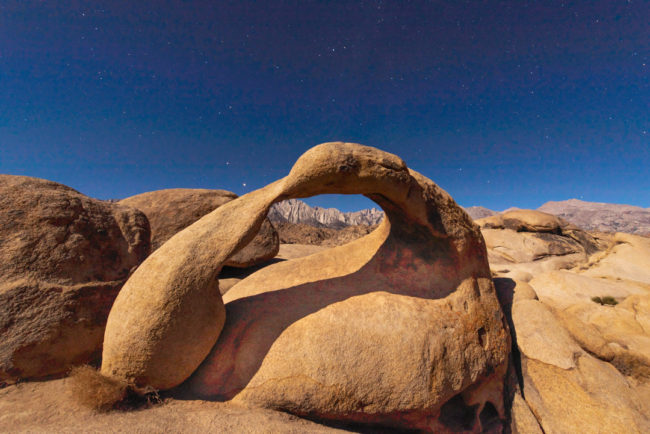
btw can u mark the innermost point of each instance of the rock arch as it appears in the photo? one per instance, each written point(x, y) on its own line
point(425, 267)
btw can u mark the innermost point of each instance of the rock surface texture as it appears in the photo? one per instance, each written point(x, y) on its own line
point(63, 259)
point(170, 211)
point(401, 328)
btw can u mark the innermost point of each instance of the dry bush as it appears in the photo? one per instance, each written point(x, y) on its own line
point(605, 301)
point(631, 365)
point(91, 389)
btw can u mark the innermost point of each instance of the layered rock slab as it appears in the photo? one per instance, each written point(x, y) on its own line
point(172, 210)
point(568, 389)
point(522, 243)
point(63, 259)
point(628, 259)
point(582, 366)
point(327, 336)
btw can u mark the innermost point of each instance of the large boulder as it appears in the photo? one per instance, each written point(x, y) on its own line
point(170, 211)
point(400, 328)
point(63, 259)
point(523, 220)
point(526, 242)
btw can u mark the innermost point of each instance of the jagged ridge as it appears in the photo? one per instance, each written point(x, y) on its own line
point(605, 217)
point(297, 211)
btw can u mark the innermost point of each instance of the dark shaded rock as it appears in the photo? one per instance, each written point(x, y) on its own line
point(170, 211)
point(300, 233)
point(63, 258)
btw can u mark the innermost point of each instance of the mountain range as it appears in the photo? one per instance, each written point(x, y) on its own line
point(297, 211)
point(605, 217)
point(478, 212)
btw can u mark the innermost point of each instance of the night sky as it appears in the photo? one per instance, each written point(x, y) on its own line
point(502, 103)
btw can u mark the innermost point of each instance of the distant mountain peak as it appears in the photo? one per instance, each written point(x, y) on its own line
point(605, 217)
point(297, 211)
point(479, 212)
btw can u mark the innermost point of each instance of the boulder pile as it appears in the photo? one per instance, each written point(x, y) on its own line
point(522, 243)
point(581, 325)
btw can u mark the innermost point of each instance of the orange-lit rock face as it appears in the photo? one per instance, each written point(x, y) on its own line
point(400, 328)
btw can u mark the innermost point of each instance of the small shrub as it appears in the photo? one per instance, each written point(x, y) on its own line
point(605, 301)
point(631, 365)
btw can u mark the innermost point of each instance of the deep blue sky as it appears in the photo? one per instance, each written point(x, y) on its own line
point(502, 103)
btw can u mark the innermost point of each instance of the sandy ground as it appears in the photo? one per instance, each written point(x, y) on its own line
point(38, 407)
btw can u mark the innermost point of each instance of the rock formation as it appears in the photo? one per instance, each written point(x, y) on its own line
point(63, 258)
point(524, 242)
point(170, 211)
point(583, 364)
point(400, 328)
point(576, 375)
point(397, 329)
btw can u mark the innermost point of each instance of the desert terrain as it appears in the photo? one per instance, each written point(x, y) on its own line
point(525, 321)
